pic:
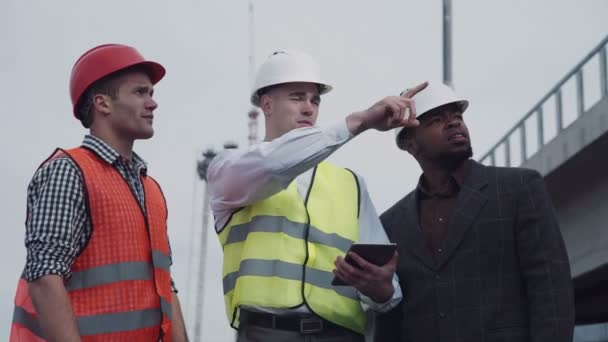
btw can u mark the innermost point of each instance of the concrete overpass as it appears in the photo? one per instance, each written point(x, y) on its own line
point(565, 137)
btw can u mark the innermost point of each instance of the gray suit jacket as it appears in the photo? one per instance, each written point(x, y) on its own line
point(502, 274)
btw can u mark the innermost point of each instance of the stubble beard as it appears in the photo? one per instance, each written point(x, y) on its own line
point(451, 160)
point(447, 160)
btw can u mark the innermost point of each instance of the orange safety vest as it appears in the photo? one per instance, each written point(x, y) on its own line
point(120, 287)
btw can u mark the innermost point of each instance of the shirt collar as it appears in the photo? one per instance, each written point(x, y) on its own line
point(457, 178)
point(110, 156)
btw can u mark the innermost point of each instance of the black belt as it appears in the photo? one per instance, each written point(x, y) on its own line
point(309, 324)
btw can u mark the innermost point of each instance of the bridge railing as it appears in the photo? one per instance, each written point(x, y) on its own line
point(531, 133)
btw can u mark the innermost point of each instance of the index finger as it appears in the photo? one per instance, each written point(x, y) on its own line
point(413, 91)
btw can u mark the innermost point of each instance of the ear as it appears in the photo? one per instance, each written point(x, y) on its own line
point(408, 144)
point(266, 104)
point(102, 103)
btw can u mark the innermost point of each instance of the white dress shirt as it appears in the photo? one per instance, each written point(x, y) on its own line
point(238, 178)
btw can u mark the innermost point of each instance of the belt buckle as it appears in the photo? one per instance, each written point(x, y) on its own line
point(311, 325)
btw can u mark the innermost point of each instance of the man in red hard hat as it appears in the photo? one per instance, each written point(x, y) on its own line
point(98, 254)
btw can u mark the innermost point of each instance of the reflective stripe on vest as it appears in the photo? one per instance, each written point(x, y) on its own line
point(161, 260)
point(134, 270)
point(108, 274)
point(277, 268)
point(276, 224)
point(98, 324)
point(280, 252)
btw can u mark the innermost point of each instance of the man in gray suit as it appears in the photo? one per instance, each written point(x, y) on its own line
point(481, 257)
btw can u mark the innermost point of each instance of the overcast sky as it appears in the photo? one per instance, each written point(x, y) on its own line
point(507, 55)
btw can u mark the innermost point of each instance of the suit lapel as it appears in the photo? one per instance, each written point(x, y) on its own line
point(408, 230)
point(469, 203)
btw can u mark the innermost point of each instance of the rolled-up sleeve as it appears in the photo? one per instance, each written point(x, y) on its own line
point(56, 215)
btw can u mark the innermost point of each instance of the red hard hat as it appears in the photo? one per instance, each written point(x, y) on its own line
point(103, 60)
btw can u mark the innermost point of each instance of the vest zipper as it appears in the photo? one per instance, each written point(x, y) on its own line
point(144, 211)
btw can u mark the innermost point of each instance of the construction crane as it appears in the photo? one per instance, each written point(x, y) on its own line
point(253, 112)
point(447, 43)
point(202, 166)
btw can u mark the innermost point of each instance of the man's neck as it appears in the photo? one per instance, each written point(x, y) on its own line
point(122, 146)
point(438, 178)
point(272, 134)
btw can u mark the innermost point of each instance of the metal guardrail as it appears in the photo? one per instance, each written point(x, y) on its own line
point(537, 111)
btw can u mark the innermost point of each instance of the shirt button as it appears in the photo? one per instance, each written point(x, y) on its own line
point(441, 315)
point(440, 219)
point(439, 250)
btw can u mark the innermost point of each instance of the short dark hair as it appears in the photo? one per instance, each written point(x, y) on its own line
point(107, 85)
point(263, 91)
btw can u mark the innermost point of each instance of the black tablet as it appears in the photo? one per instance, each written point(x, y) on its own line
point(377, 254)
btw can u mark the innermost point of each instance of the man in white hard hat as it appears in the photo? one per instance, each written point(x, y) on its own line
point(480, 250)
point(285, 217)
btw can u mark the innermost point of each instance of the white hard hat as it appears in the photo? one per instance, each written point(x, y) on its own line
point(287, 66)
point(435, 95)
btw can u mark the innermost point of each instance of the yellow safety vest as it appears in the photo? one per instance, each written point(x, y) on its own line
point(280, 252)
